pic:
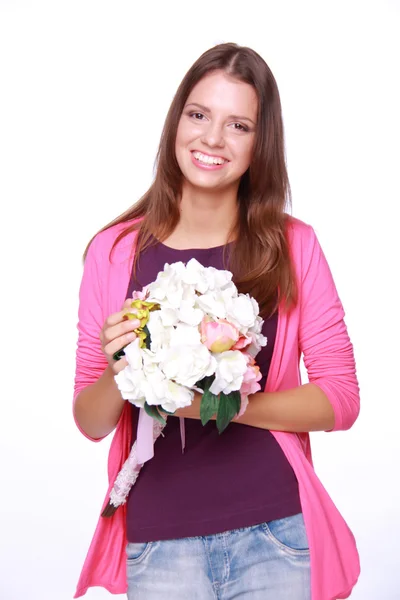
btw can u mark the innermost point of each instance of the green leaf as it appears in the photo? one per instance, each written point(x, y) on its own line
point(236, 399)
point(200, 384)
point(228, 407)
point(205, 383)
point(119, 354)
point(147, 339)
point(208, 406)
point(153, 412)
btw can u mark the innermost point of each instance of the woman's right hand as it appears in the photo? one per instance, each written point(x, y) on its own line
point(116, 333)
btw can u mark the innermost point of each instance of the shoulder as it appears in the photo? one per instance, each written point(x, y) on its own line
point(297, 228)
point(103, 242)
point(301, 235)
point(304, 246)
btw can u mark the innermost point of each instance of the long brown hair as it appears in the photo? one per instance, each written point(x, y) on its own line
point(260, 258)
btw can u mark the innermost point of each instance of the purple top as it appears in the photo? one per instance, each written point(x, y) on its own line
point(221, 482)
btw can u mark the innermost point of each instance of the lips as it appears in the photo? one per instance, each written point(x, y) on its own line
point(211, 155)
point(208, 159)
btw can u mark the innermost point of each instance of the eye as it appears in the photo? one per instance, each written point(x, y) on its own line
point(240, 127)
point(196, 115)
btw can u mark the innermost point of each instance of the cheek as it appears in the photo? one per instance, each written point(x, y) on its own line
point(184, 133)
point(245, 152)
point(178, 138)
point(180, 145)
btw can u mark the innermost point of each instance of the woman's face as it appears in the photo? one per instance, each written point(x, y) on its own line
point(216, 132)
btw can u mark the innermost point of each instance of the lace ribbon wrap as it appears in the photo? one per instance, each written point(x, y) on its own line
point(128, 475)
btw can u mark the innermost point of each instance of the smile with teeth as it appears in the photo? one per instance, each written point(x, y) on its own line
point(209, 160)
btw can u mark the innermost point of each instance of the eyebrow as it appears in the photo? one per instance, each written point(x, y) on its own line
point(207, 110)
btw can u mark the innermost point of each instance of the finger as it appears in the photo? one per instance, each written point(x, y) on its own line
point(111, 333)
point(127, 303)
point(118, 366)
point(115, 318)
point(115, 345)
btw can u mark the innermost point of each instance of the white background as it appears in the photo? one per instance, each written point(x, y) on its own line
point(85, 86)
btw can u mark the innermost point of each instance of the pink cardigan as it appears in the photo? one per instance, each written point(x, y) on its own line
point(315, 328)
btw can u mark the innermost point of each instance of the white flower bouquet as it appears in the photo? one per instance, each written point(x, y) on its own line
point(197, 333)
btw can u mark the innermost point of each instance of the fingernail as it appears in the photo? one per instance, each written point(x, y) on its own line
point(131, 335)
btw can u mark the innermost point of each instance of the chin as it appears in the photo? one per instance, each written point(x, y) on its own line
point(202, 180)
point(204, 183)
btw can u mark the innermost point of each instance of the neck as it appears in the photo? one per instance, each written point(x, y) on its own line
point(206, 217)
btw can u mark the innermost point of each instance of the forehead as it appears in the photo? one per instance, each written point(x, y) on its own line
point(222, 93)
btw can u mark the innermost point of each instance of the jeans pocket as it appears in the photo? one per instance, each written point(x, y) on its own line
point(136, 551)
point(289, 534)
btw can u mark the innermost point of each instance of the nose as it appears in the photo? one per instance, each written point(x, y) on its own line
point(213, 135)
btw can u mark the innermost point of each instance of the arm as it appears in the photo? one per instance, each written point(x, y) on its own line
point(330, 401)
point(98, 407)
point(97, 401)
point(304, 408)
point(323, 337)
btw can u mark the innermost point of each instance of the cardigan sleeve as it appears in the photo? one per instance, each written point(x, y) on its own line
point(323, 337)
point(90, 360)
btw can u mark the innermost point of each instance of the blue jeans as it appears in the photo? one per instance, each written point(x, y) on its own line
point(270, 561)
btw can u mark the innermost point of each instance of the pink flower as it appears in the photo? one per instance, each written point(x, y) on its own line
point(219, 335)
point(137, 295)
point(244, 400)
point(250, 383)
point(251, 378)
point(242, 343)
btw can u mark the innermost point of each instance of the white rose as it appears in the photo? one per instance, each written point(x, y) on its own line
point(187, 364)
point(130, 380)
point(154, 383)
point(256, 308)
point(185, 335)
point(189, 314)
point(207, 278)
point(213, 303)
point(243, 312)
point(133, 355)
point(142, 379)
point(130, 387)
point(176, 396)
point(197, 276)
point(231, 367)
point(220, 279)
point(168, 316)
point(160, 334)
point(258, 341)
point(257, 327)
point(167, 289)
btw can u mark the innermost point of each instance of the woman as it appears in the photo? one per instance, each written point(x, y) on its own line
point(241, 514)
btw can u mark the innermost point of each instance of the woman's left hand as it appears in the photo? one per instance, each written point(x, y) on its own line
point(193, 411)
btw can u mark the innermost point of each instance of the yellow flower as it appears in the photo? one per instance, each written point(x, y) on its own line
point(141, 311)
